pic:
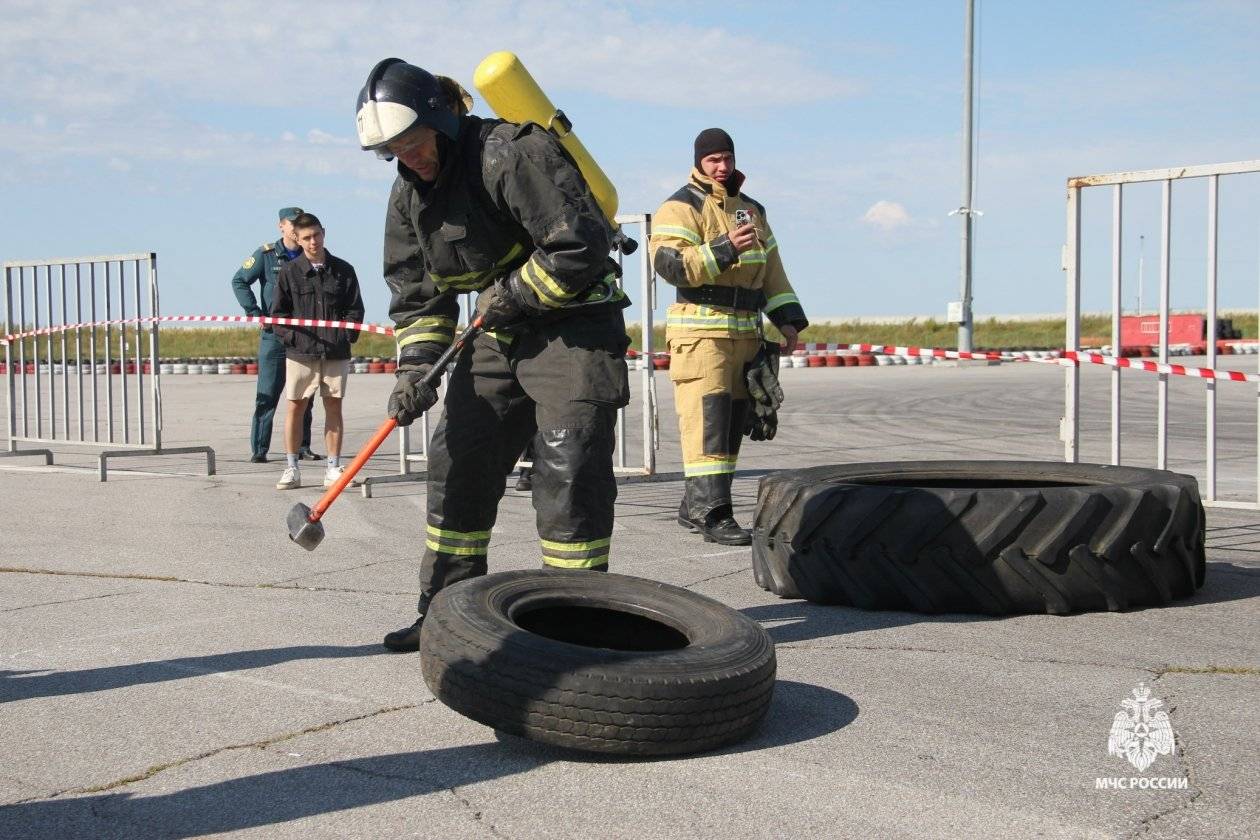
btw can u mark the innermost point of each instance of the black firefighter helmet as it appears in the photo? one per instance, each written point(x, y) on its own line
point(396, 98)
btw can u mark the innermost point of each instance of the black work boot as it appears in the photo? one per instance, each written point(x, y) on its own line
point(720, 527)
point(406, 640)
point(525, 481)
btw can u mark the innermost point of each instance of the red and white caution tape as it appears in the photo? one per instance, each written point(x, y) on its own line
point(1059, 357)
point(922, 352)
point(1071, 356)
point(228, 319)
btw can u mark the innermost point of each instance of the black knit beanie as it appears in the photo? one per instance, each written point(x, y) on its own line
point(712, 140)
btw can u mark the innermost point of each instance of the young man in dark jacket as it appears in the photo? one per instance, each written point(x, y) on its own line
point(322, 287)
point(498, 208)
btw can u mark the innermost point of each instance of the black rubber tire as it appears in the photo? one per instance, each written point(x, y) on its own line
point(597, 662)
point(993, 537)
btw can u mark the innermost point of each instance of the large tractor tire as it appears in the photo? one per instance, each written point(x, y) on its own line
point(994, 537)
point(598, 662)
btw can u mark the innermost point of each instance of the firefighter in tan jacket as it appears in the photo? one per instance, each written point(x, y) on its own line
point(713, 243)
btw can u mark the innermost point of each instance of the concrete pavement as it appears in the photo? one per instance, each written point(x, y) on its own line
point(172, 666)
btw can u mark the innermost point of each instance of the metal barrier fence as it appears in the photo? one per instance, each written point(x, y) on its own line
point(646, 302)
point(65, 387)
point(1072, 267)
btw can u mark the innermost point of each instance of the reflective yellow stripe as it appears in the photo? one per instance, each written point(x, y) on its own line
point(565, 563)
point(781, 300)
point(710, 261)
point(577, 546)
point(771, 243)
point(753, 256)
point(433, 530)
point(688, 234)
point(575, 555)
point(476, 279)
point(429, 328)
point(549, 292)
point(463, 550)
point(463, 543)
point(707, 318)
point(708, 468)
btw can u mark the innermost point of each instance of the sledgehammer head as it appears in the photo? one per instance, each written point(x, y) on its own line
point(302, 530)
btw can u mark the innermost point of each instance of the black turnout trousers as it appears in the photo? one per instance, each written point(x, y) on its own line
point(558, 383)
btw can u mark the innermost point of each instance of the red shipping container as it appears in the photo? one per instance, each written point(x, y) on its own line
point(1139, 330)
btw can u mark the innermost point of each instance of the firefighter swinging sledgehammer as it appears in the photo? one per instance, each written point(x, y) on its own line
point(498, 208)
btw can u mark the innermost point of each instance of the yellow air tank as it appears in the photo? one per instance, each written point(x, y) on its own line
point(514, 95)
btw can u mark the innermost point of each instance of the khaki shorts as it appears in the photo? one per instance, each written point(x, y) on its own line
point(303, 378)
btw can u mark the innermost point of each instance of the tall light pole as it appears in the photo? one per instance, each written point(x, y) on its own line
point(1141, 257)
point(965, 211)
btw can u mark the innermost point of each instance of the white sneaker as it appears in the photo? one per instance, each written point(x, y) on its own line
point(331, 474)
point(290, 479)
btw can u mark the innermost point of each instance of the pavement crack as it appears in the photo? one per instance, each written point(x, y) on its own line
point(1147, 823)
point(66, 601)
point(180, 762)
point(279, 584)
point(978, 655)
point(738, 571)
point(170, 579)
point(1233, 670)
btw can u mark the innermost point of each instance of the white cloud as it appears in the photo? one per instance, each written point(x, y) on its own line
point(79, 57)
point(196, 81)
point(887, 216)
point(322, 138)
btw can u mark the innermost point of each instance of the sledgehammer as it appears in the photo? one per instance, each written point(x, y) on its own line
point(305, 527)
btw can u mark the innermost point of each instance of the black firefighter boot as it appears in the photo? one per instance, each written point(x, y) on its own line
point(525, 480)
point(406, 640)
point(719, 526)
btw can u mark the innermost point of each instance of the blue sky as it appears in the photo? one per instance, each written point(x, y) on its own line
point(180, 127)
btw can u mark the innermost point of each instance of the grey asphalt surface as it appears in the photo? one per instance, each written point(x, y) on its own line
point(172, 666)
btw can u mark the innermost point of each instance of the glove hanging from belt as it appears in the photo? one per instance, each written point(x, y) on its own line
point(765, 392)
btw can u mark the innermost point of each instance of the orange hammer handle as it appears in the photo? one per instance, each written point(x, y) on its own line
point(387, 428)
point(368, 450)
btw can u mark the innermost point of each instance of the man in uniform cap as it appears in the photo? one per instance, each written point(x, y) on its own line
point(263, 268)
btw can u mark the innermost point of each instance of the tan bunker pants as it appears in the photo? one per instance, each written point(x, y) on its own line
point(711, 398)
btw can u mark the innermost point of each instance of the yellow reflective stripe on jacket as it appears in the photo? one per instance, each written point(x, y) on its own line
point(576, 555)
point(771, 243)
point(548, 290)
point(686, 233)
point(474, 280)
point(781, 300)
point(457, 542)
point(708, 318)
point(429, 328)
point(710, 261)
point(699, 468)
point(753, 256)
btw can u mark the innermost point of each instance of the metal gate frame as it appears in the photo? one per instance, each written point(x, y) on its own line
point(64, 329)
point(651, 424)
point(1069, 428)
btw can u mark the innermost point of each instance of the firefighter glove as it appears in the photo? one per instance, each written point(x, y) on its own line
point(412, 396)
point(763, 378)
point(761, 422)
point(499, 306)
